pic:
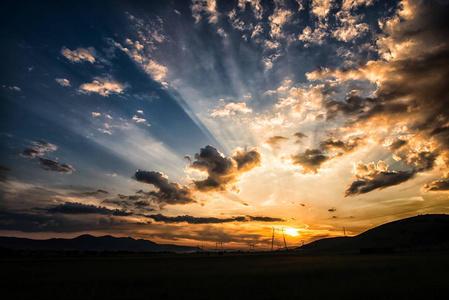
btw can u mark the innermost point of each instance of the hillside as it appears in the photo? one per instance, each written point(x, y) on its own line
point(414, 232)
point(90, 243)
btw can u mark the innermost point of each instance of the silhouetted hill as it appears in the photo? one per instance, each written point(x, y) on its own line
point(414, 232)
point(88, 242)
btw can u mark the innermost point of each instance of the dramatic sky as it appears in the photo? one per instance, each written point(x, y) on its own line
point(204, 121)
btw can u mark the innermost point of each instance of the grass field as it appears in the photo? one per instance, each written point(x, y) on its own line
point(279, 275)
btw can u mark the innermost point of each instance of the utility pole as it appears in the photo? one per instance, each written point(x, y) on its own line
point(285, 243)
point(344, 231)
point(272, 240)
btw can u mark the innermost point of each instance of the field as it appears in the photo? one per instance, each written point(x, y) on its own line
point(278, 275)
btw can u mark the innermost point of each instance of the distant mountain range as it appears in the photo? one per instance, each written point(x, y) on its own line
point(88, 242)
point(415, 232)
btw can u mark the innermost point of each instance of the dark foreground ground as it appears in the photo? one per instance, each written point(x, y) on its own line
point(282, 275)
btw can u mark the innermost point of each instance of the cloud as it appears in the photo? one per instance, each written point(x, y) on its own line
point(96, 193)
point(222, 171)
point(335, 145)
point(412, 91)
point(310, 160)
point(353, 4)
point(141, 55)
point(4, 178)
point(167, 192)
point(207, 7)
point(211, 220)
point(38, 148)
point(74, 208)
point(231, 109)
point(321, 8)
point(30, 221)
point(5, 169)
point(138, 202)
point(371, 177)
point(157, 71)
point(140, 120)
point(254, 4)
point(96, 114)
point(277, 20)
point(299, 136)
point(274, 141)
point(12, 88)
point(332, 209)
point(80, 54)
point(102, 86)
point(350, 26)
point(397, 144)
point(63, 81)
point(436, 186)
point(52, 165)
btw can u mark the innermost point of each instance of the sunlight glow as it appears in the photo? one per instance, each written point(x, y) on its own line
point(292, 231)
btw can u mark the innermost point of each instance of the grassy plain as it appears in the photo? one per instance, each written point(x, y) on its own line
point(278, 275)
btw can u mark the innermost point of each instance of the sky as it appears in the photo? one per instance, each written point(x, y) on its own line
point(206, 121)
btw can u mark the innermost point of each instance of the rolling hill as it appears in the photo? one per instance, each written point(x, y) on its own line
point(88, 242)
point(410, 233)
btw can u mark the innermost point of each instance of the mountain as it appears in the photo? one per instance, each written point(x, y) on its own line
point(414, 232)
point(90, 243)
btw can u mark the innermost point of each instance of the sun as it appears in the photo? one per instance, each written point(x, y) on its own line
point(292, 231)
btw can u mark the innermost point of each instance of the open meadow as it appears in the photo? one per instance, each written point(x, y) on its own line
point(277, 275)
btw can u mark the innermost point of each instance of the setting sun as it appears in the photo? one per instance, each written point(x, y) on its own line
point(292, 231)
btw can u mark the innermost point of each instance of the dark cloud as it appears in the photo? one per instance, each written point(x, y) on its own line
point(52, 165)
point(437, 185)
point(4, 169)
point(351, 106)
point(275, 140)
point(28, 221)
point(332, 209)
point(167, 192)
point(397, 144)
point(38, 148)
point(222, 170)
point(299, 136)
point(378, 181)
point(138, 202)
point(310, 160)
point(211, 220)
point(347, 147)
point(371, 177)
point(265, 219)
point(96, 193)
point(74, 208)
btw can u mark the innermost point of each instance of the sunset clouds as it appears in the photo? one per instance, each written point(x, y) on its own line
point(311, 115)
